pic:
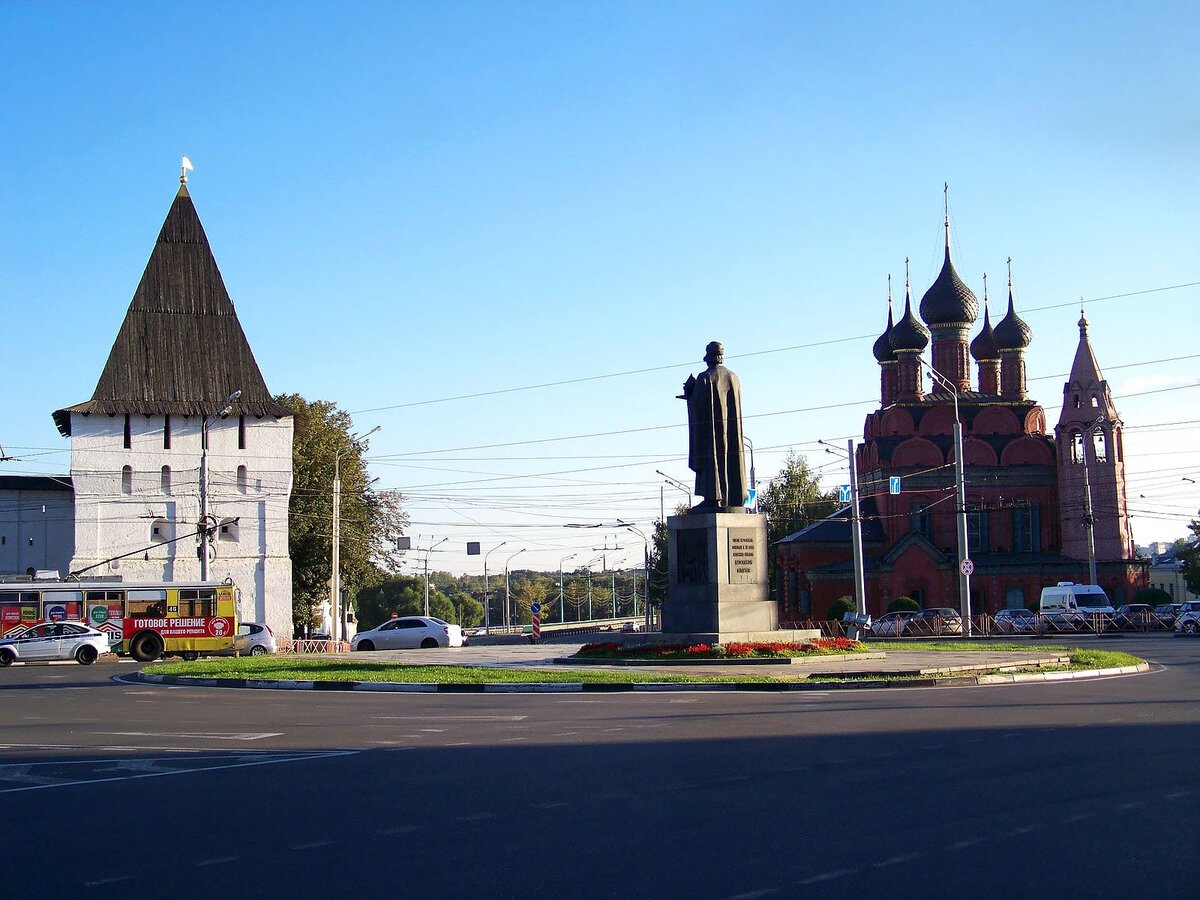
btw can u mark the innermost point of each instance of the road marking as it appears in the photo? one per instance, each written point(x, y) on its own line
point(104, 881)
point(1077, 818)
point(1136, 804)
point(754, 895)
point(1179, 795)
point(214, 736)
point(402, 829)
point(828, 876)
point(476, 817)
point(552, 805)
point(1025, 830)
point(313, 845)
point(970, 842)
point(218, 861)
point(897, 860)
point(480, 718)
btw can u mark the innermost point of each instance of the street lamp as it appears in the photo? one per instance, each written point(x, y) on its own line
point(562, 606)
point(204, 530)
point(335, 576)
point(964, 580)
point(860, 580)
point(507, 596)
point(1088, 519)
point(427, 552)
point(675, 484)
point(487, 606)
point(645, 563)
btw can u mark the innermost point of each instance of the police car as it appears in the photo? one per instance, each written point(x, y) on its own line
point(54, 640)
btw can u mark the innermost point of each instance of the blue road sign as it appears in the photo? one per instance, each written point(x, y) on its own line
point(536, 608)
point(844, 493)
point(894, 484)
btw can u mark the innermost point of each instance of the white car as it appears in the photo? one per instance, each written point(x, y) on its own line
point(1188, 618)
point(252, 639)
point(55, 640)
point(407, 633)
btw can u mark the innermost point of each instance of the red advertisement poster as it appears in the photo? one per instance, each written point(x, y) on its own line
point(182, 627)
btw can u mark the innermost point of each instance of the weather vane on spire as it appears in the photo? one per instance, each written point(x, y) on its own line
point(889, 293)
point(985, 290)
point(184, 167)
point(1009, 261)
point(946, 209)
point(906, 276)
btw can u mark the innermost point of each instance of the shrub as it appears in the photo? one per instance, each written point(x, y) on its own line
point(840, 607)
point(1153, 596)
point(903, 604)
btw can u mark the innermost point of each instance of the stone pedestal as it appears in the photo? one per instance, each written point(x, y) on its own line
point(717, 589)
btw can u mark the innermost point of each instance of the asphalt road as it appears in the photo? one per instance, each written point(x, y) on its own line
point(1085, 788)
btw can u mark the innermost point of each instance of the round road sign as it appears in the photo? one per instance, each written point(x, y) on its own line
point(966, 567)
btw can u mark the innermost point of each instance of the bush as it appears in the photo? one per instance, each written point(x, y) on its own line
point(1153, 596)
point(840, 607)
point(903, 604)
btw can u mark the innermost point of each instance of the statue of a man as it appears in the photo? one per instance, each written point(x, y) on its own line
point(715, 454)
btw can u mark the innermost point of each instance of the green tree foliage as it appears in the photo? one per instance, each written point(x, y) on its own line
point(659, 572)
point(792, 500)
point(403, 595)
point(371, 519)
point(1191, 559)
point(1151, 595)
point(840, 607)
point(526, 592)
point(470, 610)
point(903, 604)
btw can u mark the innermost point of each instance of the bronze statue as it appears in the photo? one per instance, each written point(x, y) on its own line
point(715, 454)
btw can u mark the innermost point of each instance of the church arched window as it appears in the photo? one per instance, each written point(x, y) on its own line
point(1099, 446)
point(241, 479)
point(127, 480)
point(165, 479)
point(1076, 446)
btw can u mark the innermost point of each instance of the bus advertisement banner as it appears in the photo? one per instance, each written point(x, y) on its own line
point(182, 627)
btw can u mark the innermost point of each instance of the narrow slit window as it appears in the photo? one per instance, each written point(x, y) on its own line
point(128, 433)
point(165, 479)
point(166, 432)
point(241, 432)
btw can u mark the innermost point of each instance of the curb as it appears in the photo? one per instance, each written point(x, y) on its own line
point(576, 687)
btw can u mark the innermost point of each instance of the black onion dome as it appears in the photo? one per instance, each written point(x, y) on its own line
point(984, 347)
point(1012, 333)
point(948, 300)
point(883, 344)
point(908, 333)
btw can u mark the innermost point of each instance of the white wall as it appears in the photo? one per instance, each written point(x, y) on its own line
point(37, 530)
point(110, 522)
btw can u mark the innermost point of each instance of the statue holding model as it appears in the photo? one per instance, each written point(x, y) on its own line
point(715, 454)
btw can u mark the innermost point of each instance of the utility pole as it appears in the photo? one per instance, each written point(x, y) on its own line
point(335, 575)
point(1089, 518)
point(860, 587)
point(205, 529)
point(487, 604)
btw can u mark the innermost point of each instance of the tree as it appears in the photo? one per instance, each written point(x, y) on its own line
point(1191, 559)
point(839, 607)
point(903, 604)
point(659, 572)
point(791, 501)
point(527, 592)
point(371, 519)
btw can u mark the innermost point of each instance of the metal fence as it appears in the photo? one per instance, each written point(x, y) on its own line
point(988, 626)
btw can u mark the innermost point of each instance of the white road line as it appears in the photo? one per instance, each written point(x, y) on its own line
point(754, 895)
point(550, 805)
point(313, 845)
point(402, 829)
point(1179, 795)
point(897, 860)
point(214, 736)
point(1136, 804)
point(476, 817)
point(218, 861)
point(828, 876)
point(104, 881)
point(1024, 830)
point(970, 842)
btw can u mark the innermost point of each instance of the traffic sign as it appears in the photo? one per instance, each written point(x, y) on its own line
point(536, 608)
point(894, 484)
point(966, 567)
point(844, 493)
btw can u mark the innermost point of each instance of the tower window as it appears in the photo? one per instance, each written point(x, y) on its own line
point(128, 433)
point(127, 477)
point(167, 432)
point(918, 518)
point(165, 479)
point(1099, 446)
point(1076, 446)
point(241, 432)
point(159, 530)
point(241, 479)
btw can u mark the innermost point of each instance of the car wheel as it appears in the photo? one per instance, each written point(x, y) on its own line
point(429, 643)
point(1191, 627)
point(7, 657)
point(258, 650)
point(365, 645)
point(146, 647)
point(86, 655)
point(190, 655)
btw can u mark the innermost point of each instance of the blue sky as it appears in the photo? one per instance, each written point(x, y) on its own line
point(412, 202)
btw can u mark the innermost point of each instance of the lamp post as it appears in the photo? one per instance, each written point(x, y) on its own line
point(676, 484)
point(335, 576)
point(562, 605)
point(860, 581)
point(205, 529)
point(427, 552)
point(507, 596)
point(964, 580)
point(1088, 518)
point(646, 566)
point(487, 605)
point(753, 482)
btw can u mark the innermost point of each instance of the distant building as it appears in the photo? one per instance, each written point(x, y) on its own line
point(1025, 487)
point(136, 444)
point(1166, 574)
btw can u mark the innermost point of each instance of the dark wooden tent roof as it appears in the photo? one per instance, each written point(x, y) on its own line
point(181, 349)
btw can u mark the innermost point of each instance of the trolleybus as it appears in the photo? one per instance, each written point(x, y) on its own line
point(144, 620)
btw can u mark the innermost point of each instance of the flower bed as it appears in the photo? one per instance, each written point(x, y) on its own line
point(732, 651)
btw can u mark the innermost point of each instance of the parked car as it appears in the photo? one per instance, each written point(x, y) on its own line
point(631, 626)
point(1134, 615)
point(251, 639)
point(934, 621)
point(1167, 613)
point(407, 633)
point(1188, 620)
point(1016, 621)
point(891, 624)
point(55, 640)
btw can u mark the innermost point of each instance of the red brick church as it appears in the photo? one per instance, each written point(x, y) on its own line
point(1025, 487)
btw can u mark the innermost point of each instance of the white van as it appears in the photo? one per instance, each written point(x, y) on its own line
point(1069, 597)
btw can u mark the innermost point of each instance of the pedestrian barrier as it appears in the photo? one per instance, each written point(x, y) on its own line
point(304, 645)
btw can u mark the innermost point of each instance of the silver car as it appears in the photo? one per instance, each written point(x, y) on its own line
point(407, 633)
point(52, 641)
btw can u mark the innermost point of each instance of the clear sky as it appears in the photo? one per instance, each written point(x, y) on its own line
point(415, 203)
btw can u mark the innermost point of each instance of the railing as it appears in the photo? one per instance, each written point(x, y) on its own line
point(988, 626)
point(305, 645)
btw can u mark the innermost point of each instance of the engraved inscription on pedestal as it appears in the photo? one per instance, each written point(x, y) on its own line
point(742, 558)
point(691, 553)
